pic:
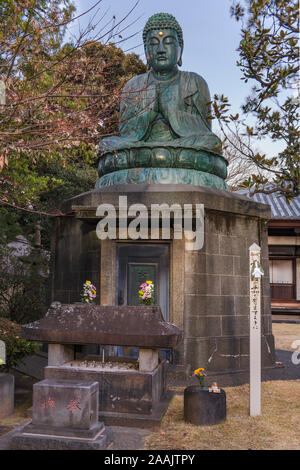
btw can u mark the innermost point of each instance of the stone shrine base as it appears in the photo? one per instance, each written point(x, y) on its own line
point(126, 397)
point(27, 440)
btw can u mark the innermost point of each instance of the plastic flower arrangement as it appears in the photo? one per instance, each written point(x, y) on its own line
point(146, 293)
point(88, 293)
point(200, 374)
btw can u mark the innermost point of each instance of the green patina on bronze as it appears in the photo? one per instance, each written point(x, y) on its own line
point(161, 176)
point(163, 157)
point(164, 121)
point(163, 21)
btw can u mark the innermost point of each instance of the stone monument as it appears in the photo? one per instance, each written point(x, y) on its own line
point(166, 153)
point(78, 389)
point(131, 392)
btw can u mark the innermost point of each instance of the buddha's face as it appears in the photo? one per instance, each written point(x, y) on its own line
point(163, 51)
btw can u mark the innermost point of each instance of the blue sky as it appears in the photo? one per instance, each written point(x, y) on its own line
point(211, 38)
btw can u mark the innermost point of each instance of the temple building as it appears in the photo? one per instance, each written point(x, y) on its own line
point(284, 252)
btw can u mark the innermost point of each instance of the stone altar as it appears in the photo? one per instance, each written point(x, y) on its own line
point(132, 393)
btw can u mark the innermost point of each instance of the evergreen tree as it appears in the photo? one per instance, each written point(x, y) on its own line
point(268, 56)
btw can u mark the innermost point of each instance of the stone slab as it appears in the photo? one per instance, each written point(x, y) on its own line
point(213, 199)
point(71, 433)
point(123, 438)
point(7, 388)
point(23, 441)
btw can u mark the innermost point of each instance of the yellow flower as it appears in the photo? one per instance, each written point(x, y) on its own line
point(148, 282)
point(88, 282)
point(141, 292)
point(198, 371)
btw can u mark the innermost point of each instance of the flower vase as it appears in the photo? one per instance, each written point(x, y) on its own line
point(202, 407)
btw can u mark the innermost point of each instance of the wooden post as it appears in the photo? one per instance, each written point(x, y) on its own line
point(255, 330)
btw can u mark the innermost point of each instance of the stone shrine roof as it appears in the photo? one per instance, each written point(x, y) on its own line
point(139, 326)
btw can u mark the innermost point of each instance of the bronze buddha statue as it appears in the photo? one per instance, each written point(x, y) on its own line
point(164, 122)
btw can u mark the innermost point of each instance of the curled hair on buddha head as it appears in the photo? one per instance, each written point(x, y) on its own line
point(164, 21)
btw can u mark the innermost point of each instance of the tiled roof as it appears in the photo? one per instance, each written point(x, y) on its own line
point(280, 209)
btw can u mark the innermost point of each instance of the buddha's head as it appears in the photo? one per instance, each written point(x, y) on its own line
point(163, 42)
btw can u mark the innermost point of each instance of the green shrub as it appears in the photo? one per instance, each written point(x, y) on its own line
point(16, 347)
point(23, 285)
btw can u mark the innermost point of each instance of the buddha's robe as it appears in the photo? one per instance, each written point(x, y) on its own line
point(156, 113)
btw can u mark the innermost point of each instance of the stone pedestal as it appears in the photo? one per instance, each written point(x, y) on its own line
point(7, 389)
point(208, 288)
point(65, 416)
point(202, 407)
point(65, 404)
